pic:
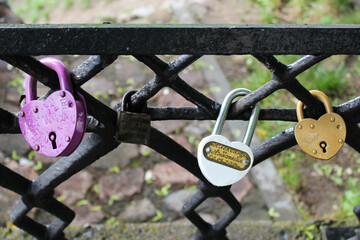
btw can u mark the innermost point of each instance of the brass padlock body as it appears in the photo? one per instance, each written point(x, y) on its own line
point(321, 138)
point(132, 127)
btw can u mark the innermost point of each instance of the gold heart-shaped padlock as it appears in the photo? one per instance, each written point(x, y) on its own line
point(321, 138)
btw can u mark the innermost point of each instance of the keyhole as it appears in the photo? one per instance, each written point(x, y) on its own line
point(323, 145)
point(52, 137)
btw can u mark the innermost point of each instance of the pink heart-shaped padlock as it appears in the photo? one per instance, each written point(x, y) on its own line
point(56, 126)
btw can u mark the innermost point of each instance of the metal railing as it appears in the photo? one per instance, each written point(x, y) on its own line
point(105, 42)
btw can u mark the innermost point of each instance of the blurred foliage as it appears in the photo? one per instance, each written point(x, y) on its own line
point(308, 11)
point(336, 76)
point(34, 10)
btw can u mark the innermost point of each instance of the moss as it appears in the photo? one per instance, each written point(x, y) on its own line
point(184, 230)
point(13, 234)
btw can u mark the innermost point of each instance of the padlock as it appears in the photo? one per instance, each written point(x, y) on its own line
point(56, 126)
point(321, 138)
point(223, 162)
point(132, 127)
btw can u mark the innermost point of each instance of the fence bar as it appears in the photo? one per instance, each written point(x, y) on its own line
point(179, 39)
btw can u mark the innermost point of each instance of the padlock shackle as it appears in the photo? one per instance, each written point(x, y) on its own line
point(321, 96)
point(60, 69)
point(125, 100)
point(225, 108)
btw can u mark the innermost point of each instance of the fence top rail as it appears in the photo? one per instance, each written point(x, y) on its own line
point(86, 39)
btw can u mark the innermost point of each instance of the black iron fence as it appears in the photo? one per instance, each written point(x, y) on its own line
point(105, 42)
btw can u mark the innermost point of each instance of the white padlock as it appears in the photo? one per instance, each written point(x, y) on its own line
point(223, 162)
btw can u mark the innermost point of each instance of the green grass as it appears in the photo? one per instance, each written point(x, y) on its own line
point(86, 3)
point(288, 164)
point(335, 77)
point(328, 77)
point(158, 217)
point(17, 81)
point(308, 11)
point(163, 191)
point(331, 81)
point(68, 4)
point(32, 11)
point(268, 10)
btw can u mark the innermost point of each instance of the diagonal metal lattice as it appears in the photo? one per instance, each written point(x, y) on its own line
point(144, 42)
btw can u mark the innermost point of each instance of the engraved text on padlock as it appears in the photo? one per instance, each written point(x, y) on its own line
point(226, 155)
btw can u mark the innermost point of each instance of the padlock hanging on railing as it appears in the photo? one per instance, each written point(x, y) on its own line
point(132, 127)
point(321, 138)
point(56, 126)
point(223, 162)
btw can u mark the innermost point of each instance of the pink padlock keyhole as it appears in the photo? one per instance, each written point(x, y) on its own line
point(56, 126)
